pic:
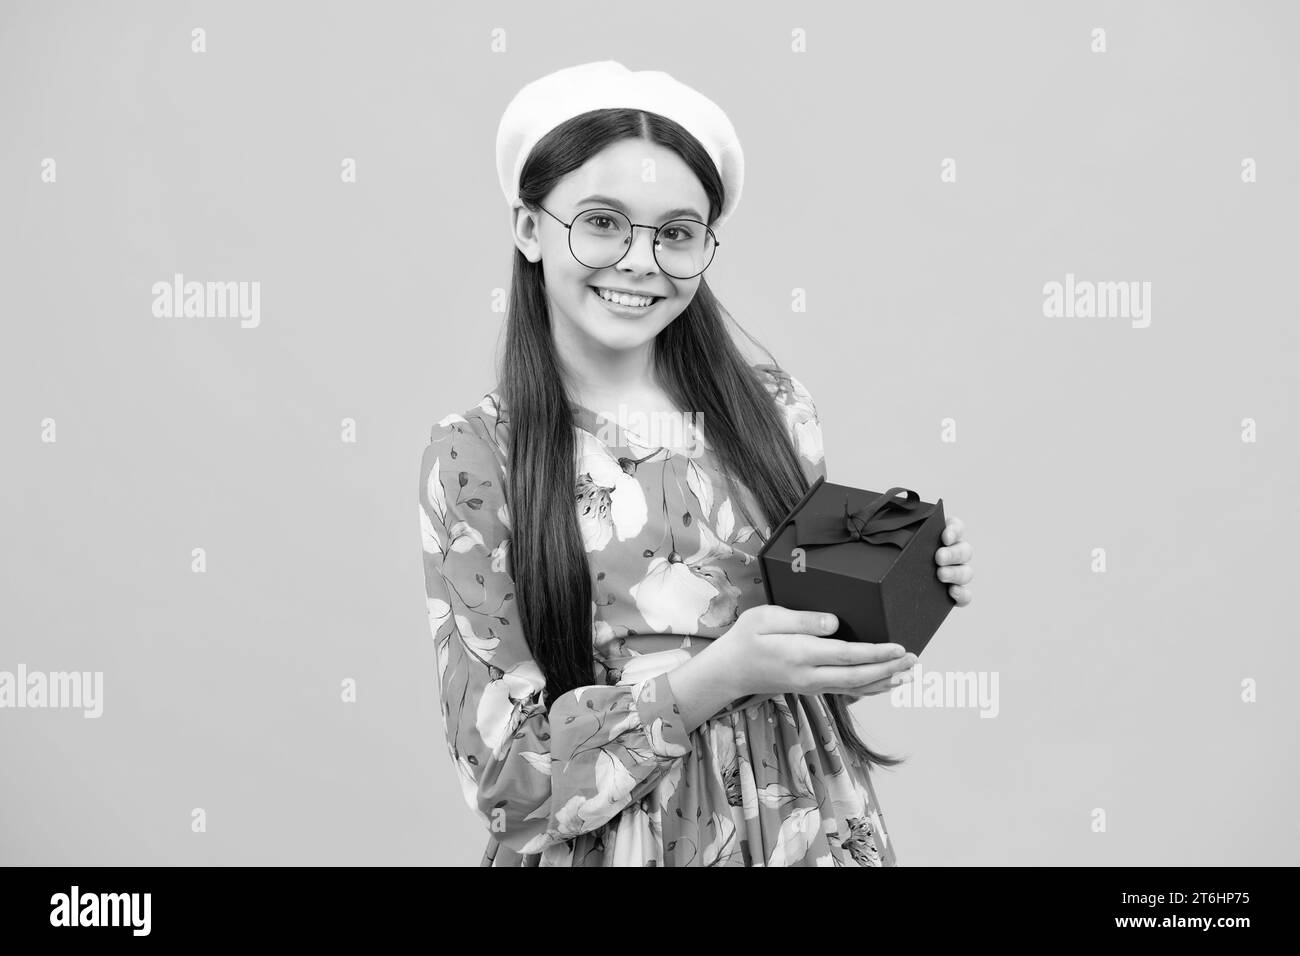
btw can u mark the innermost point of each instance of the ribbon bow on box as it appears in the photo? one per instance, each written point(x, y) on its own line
point(872, 523)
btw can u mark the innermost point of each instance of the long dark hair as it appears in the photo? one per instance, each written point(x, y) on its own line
point(701, 369)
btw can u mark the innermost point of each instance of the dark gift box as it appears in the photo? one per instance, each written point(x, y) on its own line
point(868, 558)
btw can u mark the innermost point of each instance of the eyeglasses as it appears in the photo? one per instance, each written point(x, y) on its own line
point(600, 238)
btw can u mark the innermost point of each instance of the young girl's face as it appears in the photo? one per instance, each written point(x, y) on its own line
point(650, 184)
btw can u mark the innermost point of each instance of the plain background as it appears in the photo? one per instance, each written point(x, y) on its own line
point(1119, 691)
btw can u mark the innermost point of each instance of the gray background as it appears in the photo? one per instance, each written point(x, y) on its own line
point(1118, 690)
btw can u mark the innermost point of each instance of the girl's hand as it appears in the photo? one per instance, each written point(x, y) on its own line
point(777, 650)
point(954, 562)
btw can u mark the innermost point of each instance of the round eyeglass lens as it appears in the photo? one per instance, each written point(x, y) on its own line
point(685, 248)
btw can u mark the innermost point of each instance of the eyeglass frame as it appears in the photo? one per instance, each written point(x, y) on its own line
point(654, 242)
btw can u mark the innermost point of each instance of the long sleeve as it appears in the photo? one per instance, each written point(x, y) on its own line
point(536, 777)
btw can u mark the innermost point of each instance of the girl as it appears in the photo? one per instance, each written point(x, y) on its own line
point(614, 691)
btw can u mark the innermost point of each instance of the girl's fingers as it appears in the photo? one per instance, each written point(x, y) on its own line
point(828, 653)
point(845, 680)
point(953, 530)
point(956, 574)
point(774, 619)
point(960, 594)
point(881, 686)
point(959, 553)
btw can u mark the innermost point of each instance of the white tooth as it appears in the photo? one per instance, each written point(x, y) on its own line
point(627, 300)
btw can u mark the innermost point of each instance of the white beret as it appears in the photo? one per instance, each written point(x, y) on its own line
point(547, 102)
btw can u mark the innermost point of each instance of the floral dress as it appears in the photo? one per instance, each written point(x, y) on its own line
point(608, 776)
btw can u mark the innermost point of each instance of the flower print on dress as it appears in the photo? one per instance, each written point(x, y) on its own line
point(724, 847)
point(639, 667)
point(726, 526)
point(797, 834)
point(683, 594)
point(727, 760)
point(723, 610)
point(671, 596)
point(610, 501)
point(462, 536)
point(861, 843)
point(509, 696)
point(796, 404)
point(708, 563)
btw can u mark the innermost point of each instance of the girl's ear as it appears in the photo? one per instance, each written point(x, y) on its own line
point(526, 233)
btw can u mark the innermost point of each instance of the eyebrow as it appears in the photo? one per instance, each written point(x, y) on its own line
point(670, 214)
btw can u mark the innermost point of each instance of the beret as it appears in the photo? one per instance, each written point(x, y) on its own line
point(547, 102)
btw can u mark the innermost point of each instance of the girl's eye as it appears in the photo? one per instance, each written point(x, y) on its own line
point(676, 233)
point(600, 222)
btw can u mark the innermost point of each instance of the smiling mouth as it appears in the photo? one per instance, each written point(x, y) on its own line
point(654, 300)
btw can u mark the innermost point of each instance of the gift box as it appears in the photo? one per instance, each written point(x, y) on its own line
point(867, 558)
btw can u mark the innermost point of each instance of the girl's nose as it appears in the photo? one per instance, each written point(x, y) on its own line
point(641, 257)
